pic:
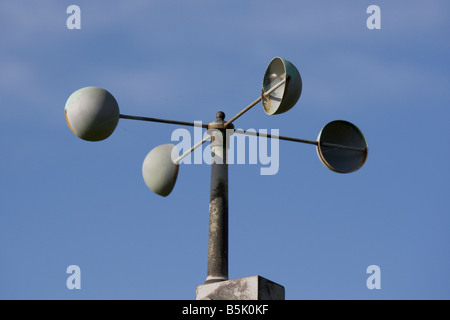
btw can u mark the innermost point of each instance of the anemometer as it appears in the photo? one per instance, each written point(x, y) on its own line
point(92, 113)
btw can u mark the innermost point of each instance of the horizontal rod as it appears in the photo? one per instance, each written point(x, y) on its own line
point(324, 144)
point(183, 123)
point(251, 105)
point(267, 135)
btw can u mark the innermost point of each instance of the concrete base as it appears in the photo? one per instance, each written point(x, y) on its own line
point(250, 288)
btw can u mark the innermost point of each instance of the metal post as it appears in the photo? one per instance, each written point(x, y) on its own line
point(218, 205)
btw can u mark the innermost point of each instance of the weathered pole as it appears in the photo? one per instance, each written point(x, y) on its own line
point(218, 204)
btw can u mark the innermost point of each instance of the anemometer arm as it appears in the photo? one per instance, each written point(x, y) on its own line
point(195, 146)
point(324, 144)
point(251, 105)
point(183, 123)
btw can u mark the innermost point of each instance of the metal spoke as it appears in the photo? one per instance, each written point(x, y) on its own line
point(183, 123)
point(324, 144)
point(251, 105)
point(198, 144)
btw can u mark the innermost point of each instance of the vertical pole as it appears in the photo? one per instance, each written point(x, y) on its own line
point(218, 205)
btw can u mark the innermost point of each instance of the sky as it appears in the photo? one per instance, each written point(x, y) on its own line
point(65, 201)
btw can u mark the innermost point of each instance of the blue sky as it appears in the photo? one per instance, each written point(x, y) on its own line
point(65, 201)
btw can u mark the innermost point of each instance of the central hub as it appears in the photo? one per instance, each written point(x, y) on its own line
point(220, 122)
point(218, 130)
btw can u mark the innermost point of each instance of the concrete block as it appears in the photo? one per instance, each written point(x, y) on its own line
point(249, 288)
